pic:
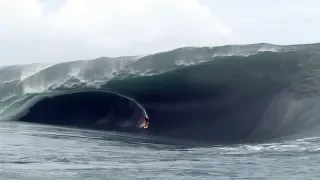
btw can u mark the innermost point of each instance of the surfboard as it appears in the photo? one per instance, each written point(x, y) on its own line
point(145, 125)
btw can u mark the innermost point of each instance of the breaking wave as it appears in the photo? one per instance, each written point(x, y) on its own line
point(227, 94)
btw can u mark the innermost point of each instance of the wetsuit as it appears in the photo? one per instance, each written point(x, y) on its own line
point(146, 122)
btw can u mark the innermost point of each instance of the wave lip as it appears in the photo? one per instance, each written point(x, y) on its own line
point(228, 94)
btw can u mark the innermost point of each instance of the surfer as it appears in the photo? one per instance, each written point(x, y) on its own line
point(146, 122)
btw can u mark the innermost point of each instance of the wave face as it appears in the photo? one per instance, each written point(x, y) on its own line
point(227, 94)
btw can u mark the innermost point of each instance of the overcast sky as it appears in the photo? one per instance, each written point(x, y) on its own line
point(66, 30)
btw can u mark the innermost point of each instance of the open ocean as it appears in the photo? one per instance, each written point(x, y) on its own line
point(229, 112)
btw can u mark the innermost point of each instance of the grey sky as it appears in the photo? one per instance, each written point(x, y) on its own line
point(65, 30)
point(274, 21)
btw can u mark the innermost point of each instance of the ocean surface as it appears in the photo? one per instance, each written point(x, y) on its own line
point(31, 152)
point(229, 112)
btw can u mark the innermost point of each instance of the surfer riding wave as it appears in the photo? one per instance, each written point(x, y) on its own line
point(145, 122)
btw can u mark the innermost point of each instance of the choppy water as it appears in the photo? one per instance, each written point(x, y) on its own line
point(29, 151)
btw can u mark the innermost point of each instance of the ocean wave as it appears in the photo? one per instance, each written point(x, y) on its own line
point(227, 94)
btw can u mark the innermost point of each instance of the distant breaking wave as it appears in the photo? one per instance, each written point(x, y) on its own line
point(227, 94)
